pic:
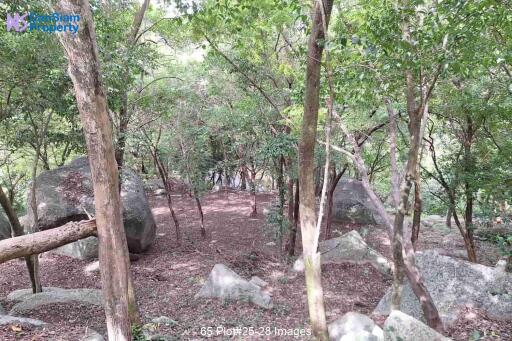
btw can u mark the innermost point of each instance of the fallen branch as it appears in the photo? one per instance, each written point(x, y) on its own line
point(43, 241)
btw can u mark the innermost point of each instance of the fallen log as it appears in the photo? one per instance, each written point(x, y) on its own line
point(47, 240)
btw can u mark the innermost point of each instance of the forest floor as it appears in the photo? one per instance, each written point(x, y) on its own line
point(167, 277)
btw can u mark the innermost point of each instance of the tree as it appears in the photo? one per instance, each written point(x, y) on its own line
point(82, 53)
point(309, 228)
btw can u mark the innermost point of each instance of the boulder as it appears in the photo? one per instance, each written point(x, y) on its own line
point(81, 249)
point(6, 319)
point(23, 294)
point(33, 301)
point(225, 284)
point(66, 194)
point(351, 204)
point(92, 335)
point(164, 320)
point(354, 326)
point(5, 226)
point(2, 310)
point(402, 327)
point(349, 248)
point(453, 285)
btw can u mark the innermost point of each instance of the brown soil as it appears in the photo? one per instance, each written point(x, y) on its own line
point(167, 277)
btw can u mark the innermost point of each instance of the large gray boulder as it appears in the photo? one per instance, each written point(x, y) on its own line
point(354, 326)
point(402, 327)
point(226, 284)
point(66, 194)
point(34, 301)
point(349, 248)
point(352, 205)
point(454, 284)
point(5, 226)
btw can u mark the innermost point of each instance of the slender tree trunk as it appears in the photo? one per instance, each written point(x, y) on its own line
point(416, 219)
point(468, 240)
point(201, 216)
point(17, 231)
point(468, 170)
point(395, 177)
point(193, 190)
point(310, 233)
point(290, 194)
point(395, 230)
point(291, 206)
point(37, 287)
point(254, 209)
point(449, 215)
point(290, 226)
point(282, 199)
point(416, 116)
point(450, 192)
point(82, 53)
point(292, 237)
point(124, 114)
point(243, 180)
point(165, 179)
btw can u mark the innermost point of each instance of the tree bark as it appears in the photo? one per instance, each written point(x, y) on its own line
point(201, 216)
point(82, 53)
point(39, 242)
point(418, 207)
point(292, 236)
point(17, 231)
point(449, 215)
point(310, 233)
point(252, 183)
point(282, 199)
point(243, 181)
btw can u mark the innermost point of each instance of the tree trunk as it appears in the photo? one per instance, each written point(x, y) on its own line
point(243, 181)
point(310, 233)
point(416, 116)
point(124, 114)
point(201, 216)
point(292, 236)
point(330, 198)
point(17, 231)
point(395, 177)
point(449, 215)
point(468, 189)
point(36, 284)
point(254, 209)
point(416, 219)
point(165, 179)
point(39, 242)
point(289, 219)
point(282, 199)
point(82, 53)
